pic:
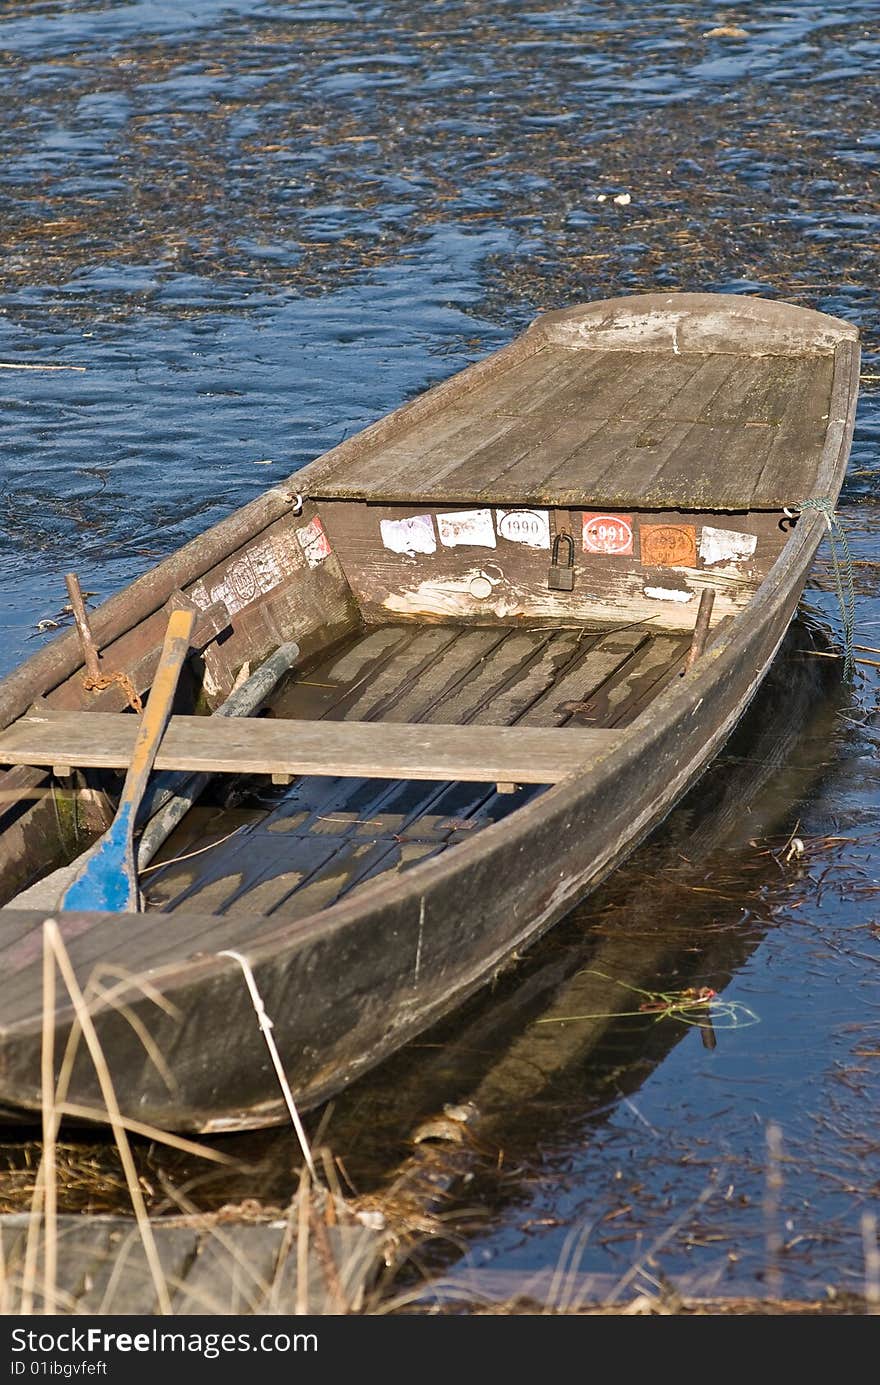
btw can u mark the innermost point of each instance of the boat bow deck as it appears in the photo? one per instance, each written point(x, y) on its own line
point(649, 401)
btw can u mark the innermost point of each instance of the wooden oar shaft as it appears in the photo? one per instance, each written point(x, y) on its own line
point(158, 710)
point(171, 794)
point(108, 879)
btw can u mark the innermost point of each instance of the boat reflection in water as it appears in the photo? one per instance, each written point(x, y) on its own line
point(486, 1106)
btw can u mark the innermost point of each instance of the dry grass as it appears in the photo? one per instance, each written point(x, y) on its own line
point(48, 1266)
point(324, 1253)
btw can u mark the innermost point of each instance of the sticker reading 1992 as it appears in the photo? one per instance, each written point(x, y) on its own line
point(608, 534)
point(668, 545)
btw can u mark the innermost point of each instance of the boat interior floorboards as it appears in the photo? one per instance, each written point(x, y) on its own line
point(301, 848)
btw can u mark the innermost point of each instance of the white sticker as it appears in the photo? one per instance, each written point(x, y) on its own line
point(264, 561)
point(287, 551)
point(200, 596)
point(473, 527)
point(726, 545)
point(314, 542)
point(524, 526)
point(254, 573)
point(241, 582)
point(237, 588)
point(415, 534)
point(668, 594)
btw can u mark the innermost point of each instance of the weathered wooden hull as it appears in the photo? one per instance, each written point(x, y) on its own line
point(349, 984)
point(346, 989)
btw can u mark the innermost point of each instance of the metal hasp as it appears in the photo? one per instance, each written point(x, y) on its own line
point(561, 577)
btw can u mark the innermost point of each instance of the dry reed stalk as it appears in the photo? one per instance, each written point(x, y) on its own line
point(120, 1257)
point(821, 654)
point(148, 1043)
point(108, 1093)
point(5, 1304)
point(273, 1302)
point(45, 1191)
point(333, 1184)
point(304, 1198)
point(325, 1254)
point(16, 365)
point(565, 1269)
point(125, 980)
point(772, 1200)
point(265, 1026)
point(568, 1299)
point(261, 1286)
point(662, 1240)
point(65, 1108)
point(48, 1160)
point(872, 1262)
point(152, 1132)
point(50, 1132)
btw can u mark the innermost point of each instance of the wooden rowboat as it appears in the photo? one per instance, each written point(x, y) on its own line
point(528, 608)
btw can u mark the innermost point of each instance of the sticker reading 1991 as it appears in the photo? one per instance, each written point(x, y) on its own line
point(608, 534)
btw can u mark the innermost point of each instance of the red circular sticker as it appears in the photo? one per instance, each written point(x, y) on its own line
point(608, 534)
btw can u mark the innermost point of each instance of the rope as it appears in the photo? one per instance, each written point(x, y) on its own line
point(843, 573)
point(106, 680)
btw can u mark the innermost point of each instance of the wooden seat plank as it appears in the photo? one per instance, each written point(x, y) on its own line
point(105, 740)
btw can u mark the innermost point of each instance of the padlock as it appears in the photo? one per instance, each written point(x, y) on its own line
point(561, 578)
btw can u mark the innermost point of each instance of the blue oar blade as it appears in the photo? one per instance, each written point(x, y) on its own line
point(108, 881)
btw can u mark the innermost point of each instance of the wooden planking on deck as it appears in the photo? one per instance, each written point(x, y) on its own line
point(105, 740)
point(499, 463)
point(412, 700)
point(584, 678)
point(326, 837)
point(588, 425)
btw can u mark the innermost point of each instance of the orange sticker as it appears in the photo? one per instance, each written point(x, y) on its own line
point(608, 533)
point(668, 545)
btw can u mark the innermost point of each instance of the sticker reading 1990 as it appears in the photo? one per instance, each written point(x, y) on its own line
point(531, 527)
point(608, 534)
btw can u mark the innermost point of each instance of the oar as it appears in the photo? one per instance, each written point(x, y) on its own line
point(108, 878)
point(171, 793)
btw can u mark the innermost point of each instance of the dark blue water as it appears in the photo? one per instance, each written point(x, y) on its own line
point(253, 228)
